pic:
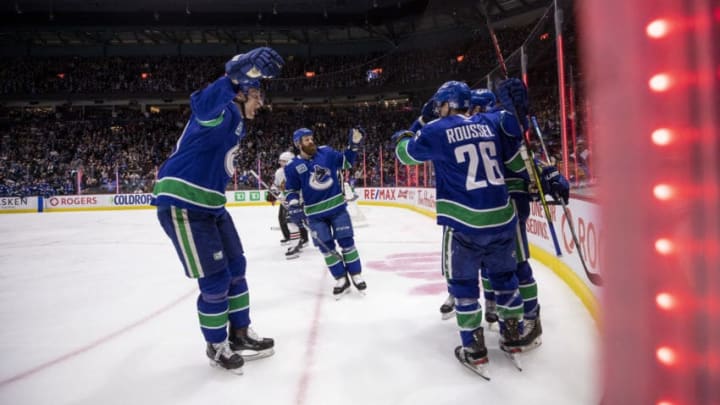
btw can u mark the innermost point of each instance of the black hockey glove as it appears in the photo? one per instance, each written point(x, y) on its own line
point(555, 184)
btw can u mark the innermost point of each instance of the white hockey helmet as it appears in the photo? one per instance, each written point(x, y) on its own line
point(285, 157)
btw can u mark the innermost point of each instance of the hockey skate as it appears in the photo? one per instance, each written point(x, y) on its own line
point(510, 341)
point(293, 252)
point(249, 345)
point(531, 336)
point(342, 287)
point(447, 309)
point(359, 283)
point(475, 357)
point(284, 241)
point(222, 356)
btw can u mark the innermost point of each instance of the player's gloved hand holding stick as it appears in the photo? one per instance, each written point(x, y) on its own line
point(513, 97)
point(560, 187)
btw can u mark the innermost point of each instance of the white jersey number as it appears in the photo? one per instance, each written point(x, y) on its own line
point(486, 152)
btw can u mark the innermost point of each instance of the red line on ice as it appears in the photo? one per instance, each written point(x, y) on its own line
point(310, 345)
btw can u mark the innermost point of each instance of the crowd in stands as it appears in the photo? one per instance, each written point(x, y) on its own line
point(103, 151)
point(47, 153)
point(34, 76)
point(67, 150)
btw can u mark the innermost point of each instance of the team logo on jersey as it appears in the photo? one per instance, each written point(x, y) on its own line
point(230, 160)
point(321, 178)
point(301, 168)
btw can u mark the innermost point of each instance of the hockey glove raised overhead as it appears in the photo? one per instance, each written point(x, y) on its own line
point(258, 63)
point(554, 183)
point(401, 134)
point(513, 96)
point(356, 137)
point(428, 112)
point(296, 213)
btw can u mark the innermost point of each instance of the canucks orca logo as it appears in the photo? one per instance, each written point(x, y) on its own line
point(320, 179)
point(230, 160)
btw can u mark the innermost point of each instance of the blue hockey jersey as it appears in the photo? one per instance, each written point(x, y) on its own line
point(198, 170)
point(316, 180)
point(470, 156)
point(516, 181)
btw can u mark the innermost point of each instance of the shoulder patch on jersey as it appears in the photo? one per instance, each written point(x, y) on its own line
point(301, 168)
point(239, 129)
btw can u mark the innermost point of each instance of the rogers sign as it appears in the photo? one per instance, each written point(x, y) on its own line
point(75, 201)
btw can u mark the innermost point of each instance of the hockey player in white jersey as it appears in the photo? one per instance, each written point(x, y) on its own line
point(276, 195)
point(473, 206)
point(312, 177)
point(295, 236)
point(190, 199)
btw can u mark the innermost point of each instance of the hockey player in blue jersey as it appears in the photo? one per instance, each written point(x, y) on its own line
point(481, 101)
point(190, 199)
point(474, 208)
point(312, 177)
point(520, 193)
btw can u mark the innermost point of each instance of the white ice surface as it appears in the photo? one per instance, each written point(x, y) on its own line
point(95, 309)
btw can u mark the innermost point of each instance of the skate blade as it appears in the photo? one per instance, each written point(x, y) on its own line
point(292, 257)
point(514, 358)
point(534, 345)
point(236, 371)
point(250, 355)
point(490, 326)
point(362, 291)
point(338, 297)
point(523, 349)
point(447, 315)
point(480, 369)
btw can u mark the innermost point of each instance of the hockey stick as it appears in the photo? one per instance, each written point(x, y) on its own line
point(265, 186)
point(320, 243)
point(594, 278)
point(525, 151)
point(305, 224)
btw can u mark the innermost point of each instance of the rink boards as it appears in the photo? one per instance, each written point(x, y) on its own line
point(584, 216)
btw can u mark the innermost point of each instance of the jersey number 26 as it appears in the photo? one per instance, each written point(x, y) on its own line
point(491, 172)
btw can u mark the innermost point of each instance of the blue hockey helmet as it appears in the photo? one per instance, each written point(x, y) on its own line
point(482, 98)
point(247, 84)
point(456, 94)
point(298, 135)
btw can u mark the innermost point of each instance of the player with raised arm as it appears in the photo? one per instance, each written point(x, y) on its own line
point(483, 100)
point(473, 206)
point(312, 177)
point(519, 185)
point(190, 199)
